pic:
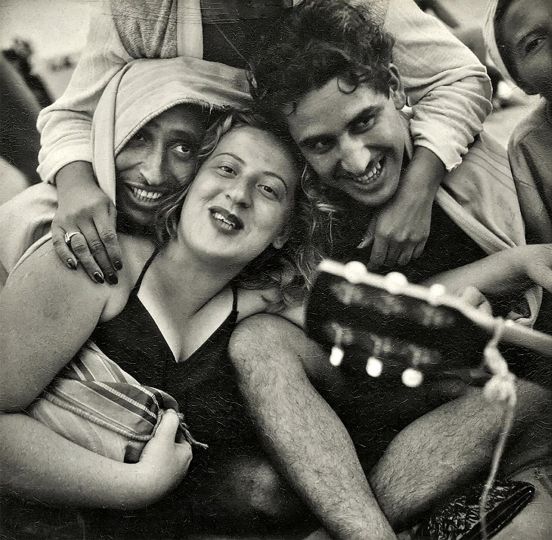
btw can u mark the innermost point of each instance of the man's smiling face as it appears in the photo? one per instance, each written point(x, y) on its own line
point(353, 138)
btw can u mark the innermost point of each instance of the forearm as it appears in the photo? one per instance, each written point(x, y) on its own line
point(422, 179)
point(74, 172)
point(39, 464)
point(499, 274)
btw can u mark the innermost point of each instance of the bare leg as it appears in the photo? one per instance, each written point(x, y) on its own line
point(304, 437)
point(453, 445)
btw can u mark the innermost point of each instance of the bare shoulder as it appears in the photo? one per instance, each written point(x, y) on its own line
point(252, 302)
point(43, 278)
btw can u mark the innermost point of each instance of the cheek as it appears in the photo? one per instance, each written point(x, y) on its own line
point(323, 166)
point(125, 159)
point(182, 172)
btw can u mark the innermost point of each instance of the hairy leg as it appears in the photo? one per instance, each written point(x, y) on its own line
point(454, 445)
point(299, 430)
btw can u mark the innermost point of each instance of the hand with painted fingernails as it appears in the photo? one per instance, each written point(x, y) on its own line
point(84, 227)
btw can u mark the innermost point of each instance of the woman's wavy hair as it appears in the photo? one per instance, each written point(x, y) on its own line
point(313, 43)
point(290, 269)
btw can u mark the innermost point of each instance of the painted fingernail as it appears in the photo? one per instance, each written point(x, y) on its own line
point(112, 279)
point(98, 277)
point(71, 264)
point(118, 265)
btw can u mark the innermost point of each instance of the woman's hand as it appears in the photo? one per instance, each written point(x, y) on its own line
point(85, 209)
point(164, 462)
point(398, 232)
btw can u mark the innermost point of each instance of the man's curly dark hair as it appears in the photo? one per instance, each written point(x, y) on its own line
point(313, 43)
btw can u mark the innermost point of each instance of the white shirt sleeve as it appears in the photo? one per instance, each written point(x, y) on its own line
point(446, 85)
point(65, 126)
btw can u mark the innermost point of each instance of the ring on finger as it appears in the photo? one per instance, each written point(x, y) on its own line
point(68, 235)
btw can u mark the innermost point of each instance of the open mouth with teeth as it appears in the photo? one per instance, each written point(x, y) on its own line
point(225, 220)
point(372, 173)
point(145, 196)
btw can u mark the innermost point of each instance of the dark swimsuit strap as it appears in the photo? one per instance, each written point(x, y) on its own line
point(234, 299)
point(136, 287)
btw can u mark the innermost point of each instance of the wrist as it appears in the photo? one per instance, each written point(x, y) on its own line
point(424, 174)
point(75, 172)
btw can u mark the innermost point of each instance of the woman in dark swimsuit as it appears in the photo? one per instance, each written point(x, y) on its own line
point(230, 247)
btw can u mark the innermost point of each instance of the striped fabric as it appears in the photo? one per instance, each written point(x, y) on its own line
point(97, 405)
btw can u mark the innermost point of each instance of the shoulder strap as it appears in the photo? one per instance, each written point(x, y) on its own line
point(234, 299)
point(136, 287)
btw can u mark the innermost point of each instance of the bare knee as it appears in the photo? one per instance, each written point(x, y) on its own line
point(269, 344)
point(269, 497)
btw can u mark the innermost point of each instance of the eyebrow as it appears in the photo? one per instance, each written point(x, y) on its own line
point(176, 133)
point(371, 110)
point(522, 35)
point(266, 173)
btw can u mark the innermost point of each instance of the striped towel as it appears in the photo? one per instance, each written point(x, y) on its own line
point(94, 403)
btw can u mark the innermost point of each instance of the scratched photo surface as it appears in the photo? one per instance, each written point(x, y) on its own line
point(310, 404)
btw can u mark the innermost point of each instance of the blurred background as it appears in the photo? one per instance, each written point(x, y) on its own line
point(41, 41)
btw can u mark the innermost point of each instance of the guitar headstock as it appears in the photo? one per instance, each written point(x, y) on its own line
point(388, 327)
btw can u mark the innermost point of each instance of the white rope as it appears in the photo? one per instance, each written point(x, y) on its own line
point(500, 388)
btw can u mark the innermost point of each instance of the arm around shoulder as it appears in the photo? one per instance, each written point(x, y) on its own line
point(446, 84)
point(65, 125)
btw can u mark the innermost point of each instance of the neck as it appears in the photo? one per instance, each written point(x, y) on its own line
point(182, 274)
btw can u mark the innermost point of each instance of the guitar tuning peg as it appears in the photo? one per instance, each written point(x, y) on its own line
point(374, 366)
point(395, 282)
point(336, 356)
point(355, 271)
point(435, 292)
point(337, 353)
point(412, 377)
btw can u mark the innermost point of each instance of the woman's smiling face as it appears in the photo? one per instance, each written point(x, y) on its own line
point(158, 159)
point(241, 198)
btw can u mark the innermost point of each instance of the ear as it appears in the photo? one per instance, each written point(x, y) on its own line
point(281, 239)
point(396, 89)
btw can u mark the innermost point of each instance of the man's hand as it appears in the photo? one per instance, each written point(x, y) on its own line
point(474, 297)
point(537, 263)
point(398, 232)
point(164, 462)
point(85, 209)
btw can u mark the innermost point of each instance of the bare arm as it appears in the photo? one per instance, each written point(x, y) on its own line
point(46, 313)
point(37, 463)
point(507, 272)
